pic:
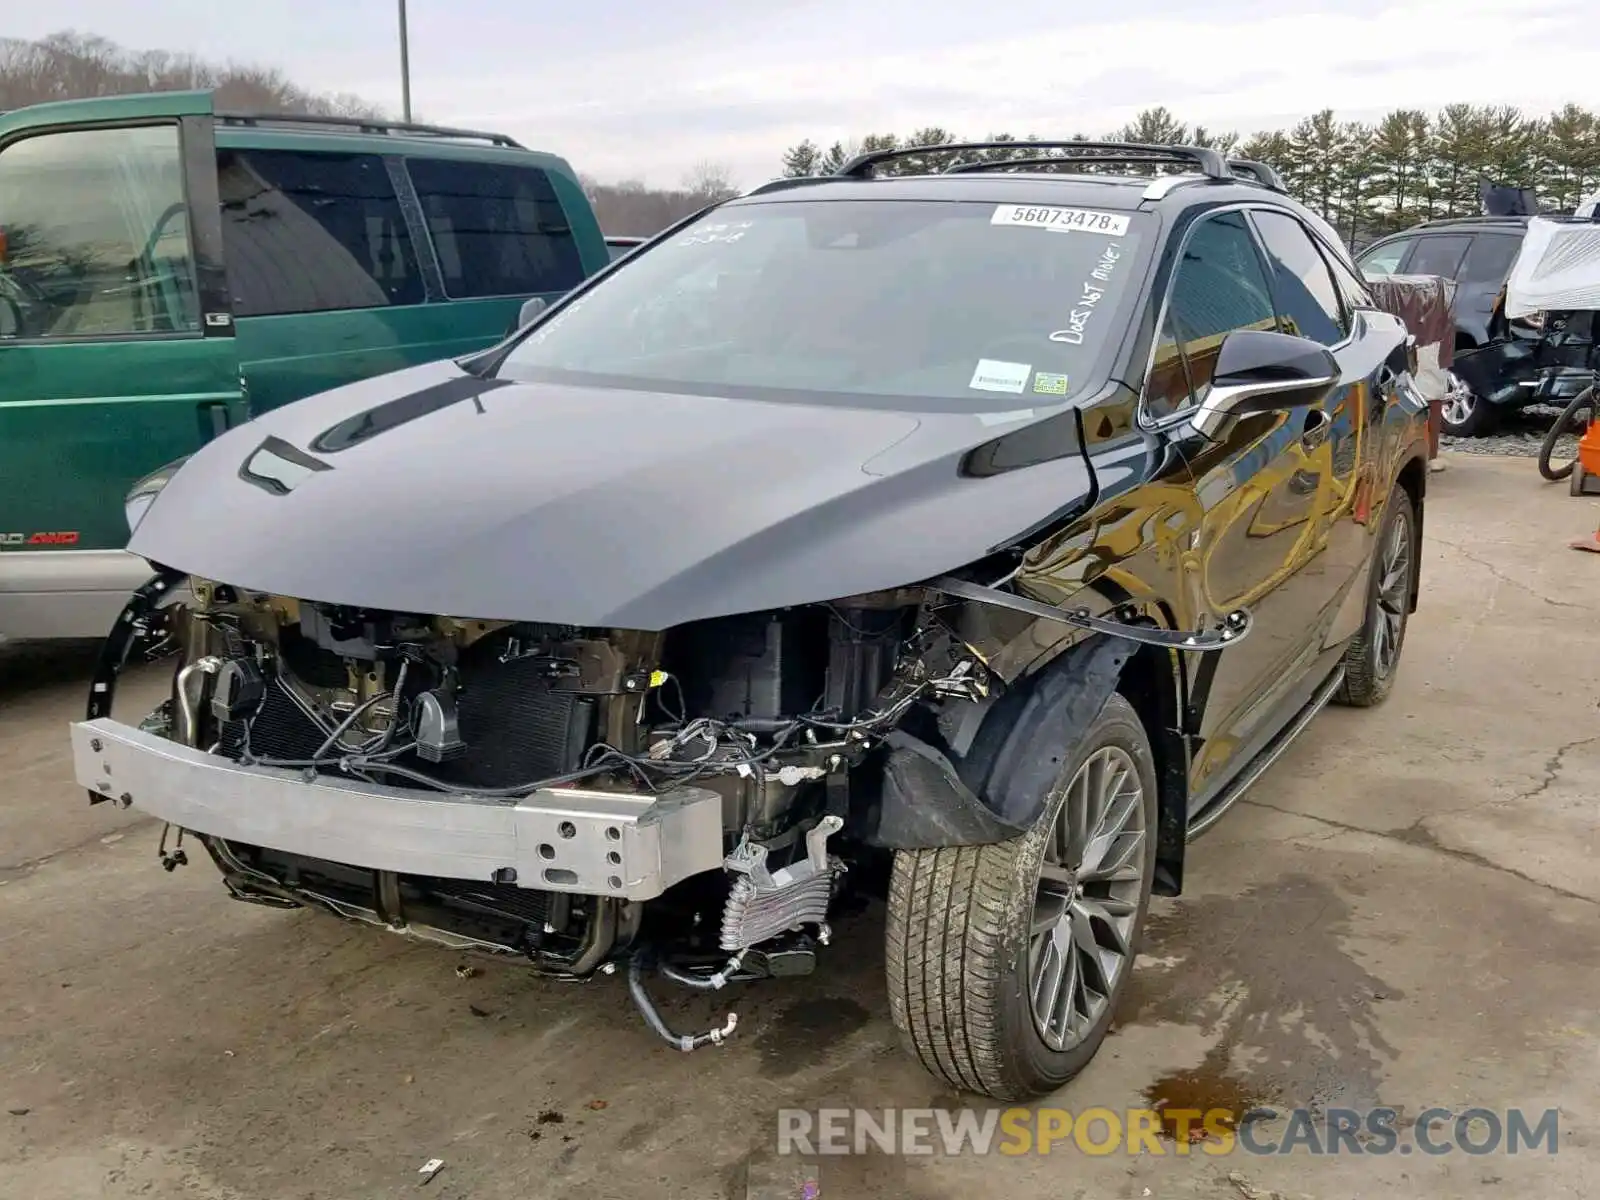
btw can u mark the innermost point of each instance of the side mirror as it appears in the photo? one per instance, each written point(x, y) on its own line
point(529, 311)
point(1258, 371)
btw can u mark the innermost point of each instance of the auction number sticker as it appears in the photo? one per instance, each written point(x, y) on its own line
point(1061, 220)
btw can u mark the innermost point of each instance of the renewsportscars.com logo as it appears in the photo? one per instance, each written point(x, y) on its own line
point(1217, 1131)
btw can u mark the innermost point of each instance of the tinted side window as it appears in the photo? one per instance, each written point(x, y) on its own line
point(1220, 286)
point(1438, 256)
point(96, 233)
point(1385, 259)
point(1351, 286)
point(1308, 301)
point(1490, 258)
point(499, 229)
point(307, 232)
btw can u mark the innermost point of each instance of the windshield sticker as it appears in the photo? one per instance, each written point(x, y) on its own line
point(1061, 220)
point(1045, 383)
point(725, 231)
point(992, 375)
point(1090, 293)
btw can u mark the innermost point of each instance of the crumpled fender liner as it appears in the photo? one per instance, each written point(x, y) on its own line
point(1000, 787)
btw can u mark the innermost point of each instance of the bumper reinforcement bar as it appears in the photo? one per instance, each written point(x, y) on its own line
point(622, 844)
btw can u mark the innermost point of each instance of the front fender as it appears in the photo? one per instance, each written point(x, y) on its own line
point(992, 784)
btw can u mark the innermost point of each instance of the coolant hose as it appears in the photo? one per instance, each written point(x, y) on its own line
point(683, 1041)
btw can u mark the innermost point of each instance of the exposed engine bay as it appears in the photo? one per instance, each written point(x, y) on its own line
point(778, 714)
point(689, 802)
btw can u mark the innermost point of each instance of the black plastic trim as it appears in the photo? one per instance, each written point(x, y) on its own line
point(198, 146)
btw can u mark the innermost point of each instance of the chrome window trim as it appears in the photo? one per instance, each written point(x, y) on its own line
point(1146, 421)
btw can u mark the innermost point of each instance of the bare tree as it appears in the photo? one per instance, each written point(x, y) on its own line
point(711, 180)
point(71, 65)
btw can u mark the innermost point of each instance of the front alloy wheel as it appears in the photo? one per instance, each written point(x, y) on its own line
point(1091, 884)
point(1005, 961)
point(1373, 656)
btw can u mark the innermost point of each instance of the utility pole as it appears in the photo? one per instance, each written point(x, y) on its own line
point(405, 65)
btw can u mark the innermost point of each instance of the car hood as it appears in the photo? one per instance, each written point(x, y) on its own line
point(434, 491)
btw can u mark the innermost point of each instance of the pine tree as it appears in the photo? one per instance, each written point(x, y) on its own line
point(1425, 182)
point(802, 160)
point(1366, 179)
point(1223, 143)
point(1153, 126)
point(932, 135)
point(1569, 157)
point(1397, 165)
point(838, 154)
point(1000, 155)
point(1509, 140)
point(1318, 151)
point(1459, 150)
point(1356, 179)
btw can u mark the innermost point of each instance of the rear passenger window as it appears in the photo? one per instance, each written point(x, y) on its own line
point(1307, 300)
point(306, 233)
point(1490, 258)
point(1438, 256)
point(1220, 286)
point(498, 229)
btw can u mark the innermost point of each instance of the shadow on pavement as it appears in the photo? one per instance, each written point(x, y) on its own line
point(30, 667)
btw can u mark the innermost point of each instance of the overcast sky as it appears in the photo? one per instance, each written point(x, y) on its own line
point(628, 88)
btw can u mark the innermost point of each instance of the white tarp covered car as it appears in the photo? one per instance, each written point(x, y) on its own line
point(1558, 268)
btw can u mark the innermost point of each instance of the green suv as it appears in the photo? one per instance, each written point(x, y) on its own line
point(167, 271)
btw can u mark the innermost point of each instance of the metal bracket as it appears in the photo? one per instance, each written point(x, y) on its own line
point(1235, 625)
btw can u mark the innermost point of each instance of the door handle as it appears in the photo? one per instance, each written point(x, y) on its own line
point(1315, 431)
point(213, 419)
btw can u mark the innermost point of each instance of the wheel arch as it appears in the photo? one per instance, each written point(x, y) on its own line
point(1152, 682)
point(1413, 480)
point(990, 786)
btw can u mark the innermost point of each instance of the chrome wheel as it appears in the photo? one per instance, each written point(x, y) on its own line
point(1086, 904)
point(1458, 403)
point(1393, 597)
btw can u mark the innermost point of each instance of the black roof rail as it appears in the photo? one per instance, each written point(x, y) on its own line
point(1258, 171)
point(365, 125)
point(1509, 219)
point(1053, 160)
point(1209, 161)
point(783, 183)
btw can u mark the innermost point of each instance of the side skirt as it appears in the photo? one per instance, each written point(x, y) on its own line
point(1213, 812)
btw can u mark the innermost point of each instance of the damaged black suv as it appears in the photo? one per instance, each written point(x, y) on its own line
point(974, 537)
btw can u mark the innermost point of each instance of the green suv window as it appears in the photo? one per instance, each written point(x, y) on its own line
point(313, 232)
point(499, 229)
point(96, 235)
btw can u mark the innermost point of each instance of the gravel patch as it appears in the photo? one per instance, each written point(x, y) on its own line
point(1519, 434)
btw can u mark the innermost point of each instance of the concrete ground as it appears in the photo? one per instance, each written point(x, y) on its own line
point(1404, 911)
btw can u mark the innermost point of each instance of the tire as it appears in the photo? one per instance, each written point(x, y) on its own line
point(959, 953)
point(1373, 656)
point(1567, 420)
point(1465, 414)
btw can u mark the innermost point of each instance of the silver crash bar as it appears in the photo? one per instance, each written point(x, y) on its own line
point(559, 839)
